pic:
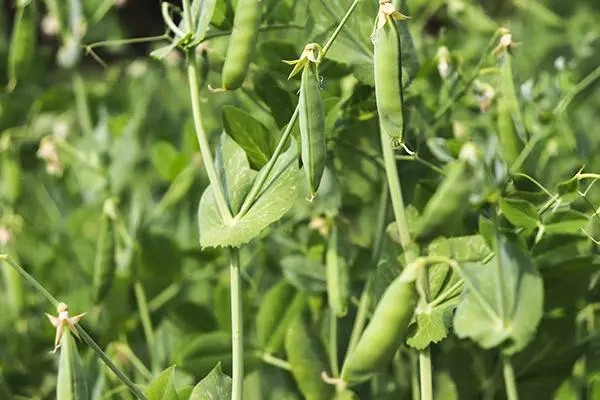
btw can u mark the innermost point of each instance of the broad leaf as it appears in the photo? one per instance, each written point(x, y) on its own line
point(250, 134)
point(503, 300)
point(275, 199)
point(520, 213)
point(215, 386)
point(162, 388)
point(305, 273)
point(431, 326)
point(565, 222)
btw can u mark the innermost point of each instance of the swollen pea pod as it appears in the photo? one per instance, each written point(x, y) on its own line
point(312, 127)
point(71, 381)
point(388, 71)
point(338, 281)
point(384, 334)
point(105, 262)
point(450, 201)
point(23, 43)
point(241, 43)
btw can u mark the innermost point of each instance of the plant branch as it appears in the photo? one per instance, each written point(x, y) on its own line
point(237, 329)
point(509, 379)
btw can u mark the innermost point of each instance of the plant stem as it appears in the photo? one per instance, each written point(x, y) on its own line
point(84, 336)
point(333, 345)
point(237, 329)
point(276, 362)
point(81, 105)
point(425, 374)
point(211, 171)
point(509, 379)
point(142, 303)
point(414, 377)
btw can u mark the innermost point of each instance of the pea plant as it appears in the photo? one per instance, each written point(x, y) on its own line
point(300, 199)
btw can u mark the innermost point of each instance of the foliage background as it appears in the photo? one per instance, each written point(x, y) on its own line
point(129, 134)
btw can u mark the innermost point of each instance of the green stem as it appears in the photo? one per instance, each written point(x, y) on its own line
point(237, 329)
point(333, 344)
point(81, 105)
point(509, 379)
point(414, 376)
point(425, 374)
point(276, 362)
point(83, 334)
point(578, 88)
point(142, 303)
point(526, 151)
point(211, 171)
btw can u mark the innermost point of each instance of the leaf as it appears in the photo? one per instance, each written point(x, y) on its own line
point(178, 189)
point(568, 189)
point(276, 198)
point(162, 388)
point(304, 273)
point(432, 326)
point(503, 300)
point(167, 160)
point(236, 178)
point(162, 52)
point(462, 248)
point(306, 356)
point(202, 12)
point(277, 308)
point(215, 386)
point(253, 137)
point(520, 213)
point(279, 100)
point(565, 222)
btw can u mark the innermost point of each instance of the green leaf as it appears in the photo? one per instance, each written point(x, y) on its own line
point(232, 167)
point(276, 198)
point(162, 52)
point(520, 213)
point(568, 189)
point(215, 386)
point(304, 273)
point(503, 300)
point(279, 100)
point(432, 326)
point(162, 388)
point(179, 188)
point(565, 222)
point(202, 13)
point(306, 356)
point(71, 380)
point(250, 134)
point(167, 160)
point(462, 248)
point(277, 309)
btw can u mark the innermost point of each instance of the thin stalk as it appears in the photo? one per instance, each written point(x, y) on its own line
point(275, 361)
point(578, 88)
point(333, 344)
point(414, 377)
point(135, 361)
point(81, 105)
point(237, 329)
point(142, 303)
point(83, 334)
point(425, 377)
point(509, 379)
point(209, 165)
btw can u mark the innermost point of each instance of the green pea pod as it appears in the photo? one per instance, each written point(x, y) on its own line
point(305, 355)
point(22, 46)
point(71, 382)
point(105, 262)
point(242, 43)
point(384, 334)
point(388, 79)
point(510, 97)
point(312, 127)
point(448, 203)
point(11, 178)
point(337, 276)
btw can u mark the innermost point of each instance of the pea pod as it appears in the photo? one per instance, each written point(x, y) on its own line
point(312, 127)
point(511, 143)
point(23, 43)
point(384, 334)
point(71, 382)
point(242, 43)
point(105, 263)
point(337, 276)
point(305, 355)
point(450, 201)
point(388, 73)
